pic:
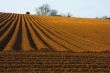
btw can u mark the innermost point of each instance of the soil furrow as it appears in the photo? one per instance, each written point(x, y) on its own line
point(42, 45)
point(90, 45)
point(6, 26)
point(4, 41)
point(26, 46)
point(46, 35)
point(55, 34)
point(4, 17)
point(35, 37)
point(20, 32)
point(17, 46)
point(4, 23)
point(31, 41)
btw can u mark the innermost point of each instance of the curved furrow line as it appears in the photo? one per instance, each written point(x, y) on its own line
point(9, 29)
point(41, 39)
point(29, 35)
point(4, 23)
point(60, 34)
point(56, 34)
point(50, 38)
point(91, 44)
point(26, 46)
point(46, 25)
point(88, 43)
point(15, 41)
point(7, 35)
point(7, 25)
point(46, 40)
point(7, 21)
point(4, 17)
point(58, 31)
point(18, 43)
point(69, 33)
point(35, 38)
point(26, 33)
point(57, 37)
point(3, 14)
point(59, 41)
point(84, 42)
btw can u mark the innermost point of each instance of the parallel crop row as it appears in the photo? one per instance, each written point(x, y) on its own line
point(29, 33)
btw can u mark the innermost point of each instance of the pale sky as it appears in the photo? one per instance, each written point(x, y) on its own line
point(78, 8)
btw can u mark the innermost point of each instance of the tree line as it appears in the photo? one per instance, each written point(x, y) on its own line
point(45, 10)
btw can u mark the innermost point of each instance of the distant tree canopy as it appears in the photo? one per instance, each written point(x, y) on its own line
point(106, 17)
point(45, 10)
point(69, 15)
point(53, 12)
point(27, 12)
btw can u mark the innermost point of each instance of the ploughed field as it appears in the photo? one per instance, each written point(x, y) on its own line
point(20, 32)
point(46, 44)
point(54, 62)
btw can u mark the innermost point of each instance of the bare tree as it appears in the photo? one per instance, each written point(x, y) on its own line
point(69, 15)
point(43, 10)
point(106, 17)
point(53, 12)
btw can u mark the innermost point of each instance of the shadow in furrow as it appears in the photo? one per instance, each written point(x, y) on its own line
point(55, 31)
point(4, 42)
point(50, 48)
point(37, 33)
point(18, 43)
point(33, 45)
point(51, 37)
point(4, 17)
point(6, 28)
point(56, 34)
point(4, 22)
